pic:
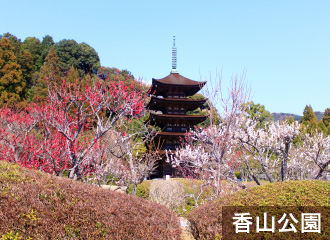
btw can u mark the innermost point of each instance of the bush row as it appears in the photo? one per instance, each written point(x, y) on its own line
point(211, 220)
point(41, 206)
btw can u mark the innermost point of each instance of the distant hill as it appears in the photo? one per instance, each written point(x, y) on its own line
point(319, 115)
point(280, 116)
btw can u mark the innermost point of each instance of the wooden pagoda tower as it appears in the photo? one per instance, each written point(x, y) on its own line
point(168, 109)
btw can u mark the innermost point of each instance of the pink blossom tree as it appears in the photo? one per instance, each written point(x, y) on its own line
point(18, 143)
point(83, 113)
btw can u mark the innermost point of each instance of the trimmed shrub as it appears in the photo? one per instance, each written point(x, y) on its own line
point(41, 206)
point(142, 190)
point(169, 193)
point(206, 221)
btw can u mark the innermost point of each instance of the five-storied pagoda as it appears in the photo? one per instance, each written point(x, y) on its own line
point(168, 110)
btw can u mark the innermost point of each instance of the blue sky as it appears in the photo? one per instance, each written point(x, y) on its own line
point(283, 46)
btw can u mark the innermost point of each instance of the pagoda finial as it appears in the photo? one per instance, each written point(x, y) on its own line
point(174, 57)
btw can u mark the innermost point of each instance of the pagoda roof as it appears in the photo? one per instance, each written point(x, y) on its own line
point(174, 134)
point(163, 119)
point(163, 136)
point(191, 104)
point(175, 80)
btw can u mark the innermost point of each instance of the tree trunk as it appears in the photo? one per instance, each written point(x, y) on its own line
point(251, 173)
point(75, 173)
point(266, 171)
point(218, 179)
point(284, 164)
point(320, 173)
point(134, 189)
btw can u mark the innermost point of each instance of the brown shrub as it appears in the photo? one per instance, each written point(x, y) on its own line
point(41, 206)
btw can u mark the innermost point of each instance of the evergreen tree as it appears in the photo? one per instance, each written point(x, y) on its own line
point(48, 41)
point(326, 117)
point(308, 115)
point(73, 75)
point(46, 44)
point(12, 85)
point(50, 71)
point(23, 57)
point(81, 56)
point(257, 112)
point(291, 119)
point(33, 45)
point(309, 120)
point(322, 127)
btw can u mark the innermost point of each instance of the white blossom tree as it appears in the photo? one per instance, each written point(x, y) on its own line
point(212, 150)
point(267, 145)
point(123, 156)
point(299, 166)
point(316, 149)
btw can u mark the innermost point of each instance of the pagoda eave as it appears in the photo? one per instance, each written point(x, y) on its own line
point(170, 134)
point(189, 104)
point(172, 116)
point(163, 120)
point(176, 79)
point(174, 82)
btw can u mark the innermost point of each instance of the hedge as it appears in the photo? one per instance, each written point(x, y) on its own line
point(41, 206)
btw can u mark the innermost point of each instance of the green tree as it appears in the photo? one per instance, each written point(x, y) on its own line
point(257, 112)
point(88, 58)
point(291, 119)
point(81, 56)
point(73, 75)
point(46, 44)
point(207, 109)
point(50, 71)
point(11, 83)
point(322, 127)
point(326, 117)
point(309, 120)
point(33, 45)
point(14, 41)
point(308, 116)
point(48, 41)
point(23, 57)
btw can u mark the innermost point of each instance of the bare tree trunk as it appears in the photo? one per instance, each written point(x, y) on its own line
point(75, 173)
point(134, 189)
point(322, 167)
point(251, 173)
point(266, 171)
point(284, 164)
point(218, 179)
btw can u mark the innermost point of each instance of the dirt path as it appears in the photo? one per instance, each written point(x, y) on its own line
point(186, 235)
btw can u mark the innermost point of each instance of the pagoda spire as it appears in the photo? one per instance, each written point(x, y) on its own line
point(174, 57)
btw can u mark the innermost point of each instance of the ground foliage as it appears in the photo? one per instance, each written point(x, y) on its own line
point(206, 221)
point(41, 206)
